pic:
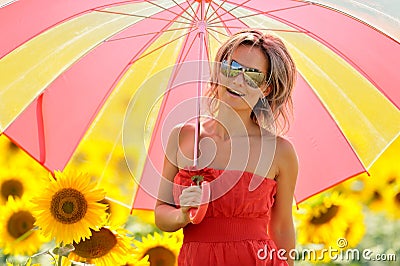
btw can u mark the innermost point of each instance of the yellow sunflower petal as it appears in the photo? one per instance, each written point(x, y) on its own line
point(160, 248)
point(67, 210)
point(17, 233)
point(105, 247)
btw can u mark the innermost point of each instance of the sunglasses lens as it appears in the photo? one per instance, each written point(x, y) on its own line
point(228, 71)
point(254, 79)
point(234, 73)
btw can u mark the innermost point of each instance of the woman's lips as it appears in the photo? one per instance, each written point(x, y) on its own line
point(235, 93)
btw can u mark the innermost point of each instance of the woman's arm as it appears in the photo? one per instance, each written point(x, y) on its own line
point(167, 216)
point(280, 227)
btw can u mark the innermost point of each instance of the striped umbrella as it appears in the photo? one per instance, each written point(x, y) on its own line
point(69, 68)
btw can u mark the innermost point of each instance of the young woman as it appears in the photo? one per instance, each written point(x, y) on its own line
point(251, 170)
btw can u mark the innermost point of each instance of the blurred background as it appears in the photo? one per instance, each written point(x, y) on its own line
point(362, 213)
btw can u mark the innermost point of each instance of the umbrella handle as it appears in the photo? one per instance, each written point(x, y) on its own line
point(196, 215)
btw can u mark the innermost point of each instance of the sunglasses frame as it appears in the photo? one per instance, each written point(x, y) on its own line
point(226, 70)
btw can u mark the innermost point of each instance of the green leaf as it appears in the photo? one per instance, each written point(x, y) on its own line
point(197, 179)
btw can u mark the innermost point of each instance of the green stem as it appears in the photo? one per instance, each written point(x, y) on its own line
point(59, 256)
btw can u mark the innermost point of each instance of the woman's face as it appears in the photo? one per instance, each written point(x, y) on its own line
point(235, 91)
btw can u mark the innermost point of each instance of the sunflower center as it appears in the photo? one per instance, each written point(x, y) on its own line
point(107, 203)
point(12, 187)
point(98, 245)
point(20, 223)
point(12, 146)
point(397, 198)
point(68, 206)
point(326, 216)
point(376, 195)
point(160, 256)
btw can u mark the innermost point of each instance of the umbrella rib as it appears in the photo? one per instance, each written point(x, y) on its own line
point(119, 203)
point(187, 53)
point(259, 13)
point(220, 32)
point(207, 40)
point(356, 66)
point(228, 11)
point(265, 29)
point(333, 48)
point(331, 186)
point(171, 82)
point(185, 10)
point(109, 157)
point(215, 10)
point(302, 30)
point(148, 33)
point(182, 59)
point(161, 46)
point(208, 8)
point(355, 18)
point(167, 9)
point(8, 3)
point(151, 40)
point(184, 45)
point(140, 16)
point(224, 26)
point(41, 136)
point(194, 12)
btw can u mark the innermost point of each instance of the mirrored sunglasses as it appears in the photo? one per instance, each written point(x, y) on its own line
point(253, 77)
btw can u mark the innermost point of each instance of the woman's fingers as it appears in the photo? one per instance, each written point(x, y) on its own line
point(190, 197)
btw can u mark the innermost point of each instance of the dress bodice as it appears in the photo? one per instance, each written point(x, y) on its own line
point(230, 193)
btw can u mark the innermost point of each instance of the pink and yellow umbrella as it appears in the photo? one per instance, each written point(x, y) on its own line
point(69, 68)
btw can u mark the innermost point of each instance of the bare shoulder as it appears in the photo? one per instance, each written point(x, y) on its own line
point(286, 158)
point(285, 147)
point(179, 135)
point(181, 132)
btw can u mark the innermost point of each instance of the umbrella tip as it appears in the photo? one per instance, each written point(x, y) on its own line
point(202, 26)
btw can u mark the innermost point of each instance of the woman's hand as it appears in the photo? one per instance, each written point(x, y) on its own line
point(190, 198)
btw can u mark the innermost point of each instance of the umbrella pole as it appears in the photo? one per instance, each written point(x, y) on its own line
point(202, 29)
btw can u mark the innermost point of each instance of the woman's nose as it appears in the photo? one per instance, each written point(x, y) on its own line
point(239, 80)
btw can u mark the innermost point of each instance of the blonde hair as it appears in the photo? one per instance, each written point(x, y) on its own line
point(281, 77)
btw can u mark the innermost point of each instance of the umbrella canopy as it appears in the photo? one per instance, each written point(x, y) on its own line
point(69, 73)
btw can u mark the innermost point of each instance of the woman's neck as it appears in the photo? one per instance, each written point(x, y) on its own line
point(231, 123)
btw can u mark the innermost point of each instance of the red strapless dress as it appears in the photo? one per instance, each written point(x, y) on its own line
point(234, 229)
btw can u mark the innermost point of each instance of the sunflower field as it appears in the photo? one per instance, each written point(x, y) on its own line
point(82, 215)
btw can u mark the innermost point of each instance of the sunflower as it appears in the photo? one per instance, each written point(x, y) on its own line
point(118, 211)
point(106, 164)
point(16, 183)
point(371, 190)
point(327, 218)
point(353, 235)
point(16, 158)
point(17, 233)
point(162, 249)
point(133, 261)
point(68, 208)
point(392, 201)
point(384, 174)
point(27, 263)
point(108, 246)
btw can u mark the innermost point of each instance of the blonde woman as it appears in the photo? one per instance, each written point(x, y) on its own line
point(251, 169)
